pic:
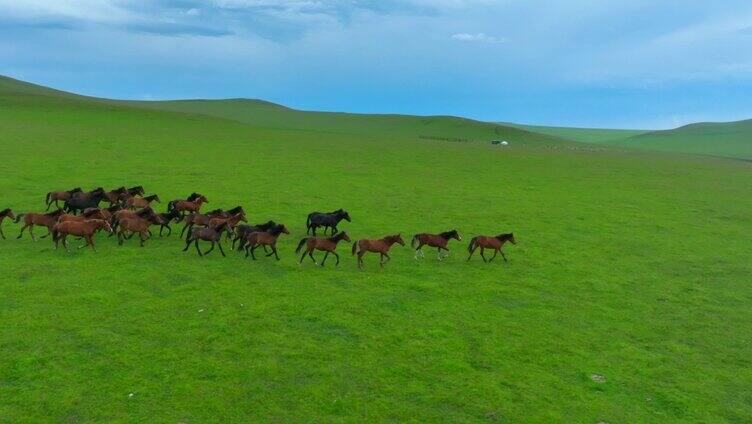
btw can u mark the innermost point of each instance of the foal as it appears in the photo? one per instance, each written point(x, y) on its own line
point(439, 241)
point(210, 234)
point(486, 242)
point(48, 220)
point(327, 244)
point(6, 213)
point(265, 238)
point(380, 246)
point(85, 229)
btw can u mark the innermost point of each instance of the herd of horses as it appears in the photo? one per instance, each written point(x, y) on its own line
point(130, 212)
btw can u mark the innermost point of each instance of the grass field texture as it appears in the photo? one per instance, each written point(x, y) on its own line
point(633, 266)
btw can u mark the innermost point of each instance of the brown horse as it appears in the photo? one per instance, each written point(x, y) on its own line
point(85, 229)
point(145, 213)
point(141, 202)
point(210, 234)
point(183, 206)
point(327, 244)
point(134, 224)
point(48, 220)
point(131, 192)
point(265, 238)
point(55, 196)
point(439, 241)
point(5, 213)
point(91, 213)
point(232, 222)
point(486, 242)
point(200, 219)
point(380, 246)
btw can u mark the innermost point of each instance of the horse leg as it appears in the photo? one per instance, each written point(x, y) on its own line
point(503, 255)
point(195, 243)
point(252, 250)
point(310, 254)
point(326, 255)
point(219, 244)
point(143, 237)
point(360, 258)
point(302, 257)
point(496, 252)
point(183, 230)
point(22, 230)
point(388, 258)
point(472, 250)
point(210, 249)
point(31, 231)
point(65, 242)
point(482, 249)
point(438, 254)
point(187, 244)
point(276, 254)
point(90, 242)
point(2, 234)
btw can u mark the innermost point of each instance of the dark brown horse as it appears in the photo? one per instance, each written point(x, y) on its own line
point(241, 231)
point(141, 202)
point(48, 220)
point(85, 229)
point(113, 196)
point(326, 244)
point(131, 192)
point(264, 238)
point(83, 200)
point(200, 219)
point(185, 206)
point(145, 213)
point(486, 242)
point(210, 234)
point(439, 241)
point(56, 196)
point(380, 246)
point(5, 213)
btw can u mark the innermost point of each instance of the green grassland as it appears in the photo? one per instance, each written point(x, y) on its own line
point(630, 265)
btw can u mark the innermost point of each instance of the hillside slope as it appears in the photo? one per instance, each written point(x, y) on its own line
point(727, 139)
point(585, 135)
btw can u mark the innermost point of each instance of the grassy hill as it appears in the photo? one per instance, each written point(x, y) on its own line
point(729, 139)
point(632, 266)
point(585, 135)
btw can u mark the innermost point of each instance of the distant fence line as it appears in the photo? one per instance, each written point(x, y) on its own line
point(449, 139)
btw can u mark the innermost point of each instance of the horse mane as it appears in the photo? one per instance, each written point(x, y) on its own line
point(76, 190)
point(448, 234)
point(276, 229)
point(150, 198)
point(4, 211)
point(235, 210)
point(391, 239)
point(120, 189)
point(144, 211)
point(505, 236)
point(193, 196)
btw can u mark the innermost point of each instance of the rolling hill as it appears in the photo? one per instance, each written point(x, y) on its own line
point(728, 139)
point(585, 135)
point(625, 299)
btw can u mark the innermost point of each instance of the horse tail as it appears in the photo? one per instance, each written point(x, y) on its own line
point(300, 244)
point(473, 241)
point(414, 241)
point(355, 246)
point(18, 217)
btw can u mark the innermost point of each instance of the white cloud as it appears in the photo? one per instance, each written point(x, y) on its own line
point(478, 38)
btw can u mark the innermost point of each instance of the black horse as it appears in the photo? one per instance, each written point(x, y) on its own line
point(80, 201)
point(242, 231)
point(167, 218)
point(326, 220)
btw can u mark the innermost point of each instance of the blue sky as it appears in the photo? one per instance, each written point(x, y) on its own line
point(631, 64)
